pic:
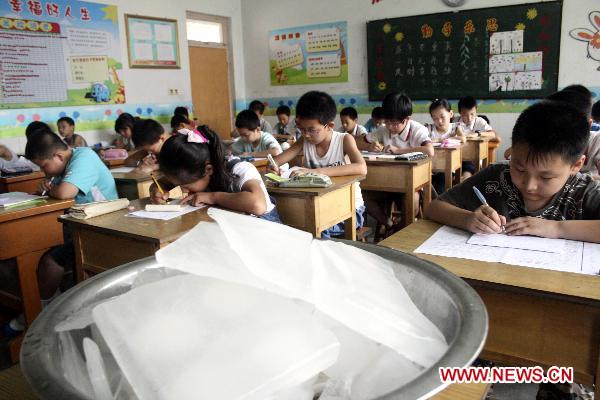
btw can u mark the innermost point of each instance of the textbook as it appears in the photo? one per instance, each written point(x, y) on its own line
point(14, 199)
point(90, 210)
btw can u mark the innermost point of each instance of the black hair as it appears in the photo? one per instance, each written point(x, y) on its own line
point(146, 132)
point(579, 89)
point(178, 119)
point(247, 119)
point(437, 103)
point(36, 126)
point(574, 98)
point(596, 111)
point(552, 127)
point(123, 121)
point(180, 110)
point(485, 118)
point(466, 103)
point(396, 106)
point(377, 113)
point(256, 105)
point(42, 144)
point(187, 161)
point(283, 110)
point(349, 112)
point(66, 119)
point(316, 105)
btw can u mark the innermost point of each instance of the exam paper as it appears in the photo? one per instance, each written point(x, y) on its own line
point(519, 242)
point(163, 215)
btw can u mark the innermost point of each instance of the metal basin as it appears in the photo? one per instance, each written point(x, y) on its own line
point(450, 303)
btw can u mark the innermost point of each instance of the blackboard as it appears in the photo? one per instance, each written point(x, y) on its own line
point(499, 52)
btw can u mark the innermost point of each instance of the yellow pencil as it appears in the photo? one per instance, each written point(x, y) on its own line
point(157, 184)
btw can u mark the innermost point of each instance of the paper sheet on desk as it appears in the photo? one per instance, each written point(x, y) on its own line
point(576, 257)
point(519, 242)
point(163, 215)
point(124, 170)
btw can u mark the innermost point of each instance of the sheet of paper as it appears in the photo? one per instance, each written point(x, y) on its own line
point(124, 170)
point(141, 31)
point(165, 52)
point(165, 215)
point(163, 33)
point(452, 242)
point(519, 242)
point(143, 51)
point(15, 198)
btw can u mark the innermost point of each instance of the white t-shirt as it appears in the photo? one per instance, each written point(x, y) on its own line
point(434, 134)
point(267, 142)
point(359, 130)
point(265, 126)
point(592, 153)
point(335, 156)
point(478, 124)
point(245, 172)
point(413, 135)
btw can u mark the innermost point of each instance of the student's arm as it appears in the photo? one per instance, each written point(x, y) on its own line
point(426, 148)
point(357, 166)
point(5, 152)
point(483, 220)
point(369, 142)
point(63, 191)
point(135, 157)
point(250, 200)
point(288, 155)
point(459, 133)
point(156, 197)
point(587, 231)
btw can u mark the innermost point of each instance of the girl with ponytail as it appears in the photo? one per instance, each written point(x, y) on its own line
point(195, 161)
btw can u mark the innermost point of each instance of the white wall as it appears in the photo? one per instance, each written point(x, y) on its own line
point(261, 16)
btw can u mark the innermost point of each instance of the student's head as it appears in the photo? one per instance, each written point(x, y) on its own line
point(348, 116)
point(36, 126)
point(48, 151)
point(397, 109)
point(196, 167)
point(248, 126)
point(548, 141)
point(377, 116)
point(315, 113)
point(180, 110)
point(467, 108)
point(257, 107)
point(148, 135)
point(283, 114)
point(124, 124)
point(441, 113)
point(179, 121)
point(596, 111)
point(575, 97)
point(66, 126)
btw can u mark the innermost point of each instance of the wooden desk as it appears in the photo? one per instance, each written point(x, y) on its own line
point(536, 316)
point(27, 232)
point(27, 183)
point(492, 148)
point(316, 209)
point(132, 185)
point(114, 163)
point(400, 177)
point(113, 239)
point(261, 165)
point(476, 151)
point(463, 391)
point(448, 160)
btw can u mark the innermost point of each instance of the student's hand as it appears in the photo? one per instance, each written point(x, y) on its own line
point(392, 149)
point(533, 226)
point(485, 220)
point(44, 186)
point(150, 159)
point(199, 198)
point(273, 169)
point(376, 147)
point(156, 197)
point(300, 171)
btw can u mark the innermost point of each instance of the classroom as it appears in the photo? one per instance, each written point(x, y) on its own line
point(300, 199)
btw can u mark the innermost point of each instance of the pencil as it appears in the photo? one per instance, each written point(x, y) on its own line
point(157, 184)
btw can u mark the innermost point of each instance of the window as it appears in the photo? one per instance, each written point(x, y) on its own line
point(204, 31)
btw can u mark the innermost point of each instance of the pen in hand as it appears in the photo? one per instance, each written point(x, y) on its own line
point(485, 203)
point(50, 183)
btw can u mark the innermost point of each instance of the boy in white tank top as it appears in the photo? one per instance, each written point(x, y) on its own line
point(325, 151)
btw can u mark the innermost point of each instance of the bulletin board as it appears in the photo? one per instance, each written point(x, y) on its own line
point(152, 42)
point(59, 53)
point(499, 52)
point(309, 54)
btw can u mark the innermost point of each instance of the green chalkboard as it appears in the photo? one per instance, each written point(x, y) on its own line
point(500, 52)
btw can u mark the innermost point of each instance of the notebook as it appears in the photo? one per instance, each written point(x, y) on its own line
point(14, 199)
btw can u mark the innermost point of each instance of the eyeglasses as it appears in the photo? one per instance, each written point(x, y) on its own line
point(310, 131)
point(393, 122)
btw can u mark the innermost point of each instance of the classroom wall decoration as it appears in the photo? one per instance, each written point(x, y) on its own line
point(309, 54)
point(500, 52)
point(152, 42)
point(59, 53)
point(591, 37)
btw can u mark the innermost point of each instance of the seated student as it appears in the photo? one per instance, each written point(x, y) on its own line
point(10, 160)
point(376, 119)
point(399, 135)
point(472, 124)
point(36, 126)
point(180, 121)
point(75, 174)
point(253, 141)
point(66, 128)
point(349, 118)
point(325, 150)
point(123, 126)
point(196, 162)
point(541, 191)
point(259, 109)
point(596, 116)
point(285, 128)
point(180, 110)
point(149, 136)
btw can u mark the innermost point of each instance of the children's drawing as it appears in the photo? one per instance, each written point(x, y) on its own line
point(592, 38)
point(528, 80)
point(506, 42)
point(502, 63)
point(502, 82)
point(531, 61)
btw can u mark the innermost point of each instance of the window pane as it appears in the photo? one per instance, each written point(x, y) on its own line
point(204, 31)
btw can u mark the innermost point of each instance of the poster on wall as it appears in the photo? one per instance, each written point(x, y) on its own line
point(59, 53)
point(152, 42)
point(309, 54)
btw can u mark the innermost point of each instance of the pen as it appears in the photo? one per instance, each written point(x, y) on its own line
point(272, 161)
point(484, 201)
point(45, 190)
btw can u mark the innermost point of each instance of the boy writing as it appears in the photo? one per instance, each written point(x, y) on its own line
point(349, 118)
point(541, 191)
point(253, 141)
point(149, 136)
